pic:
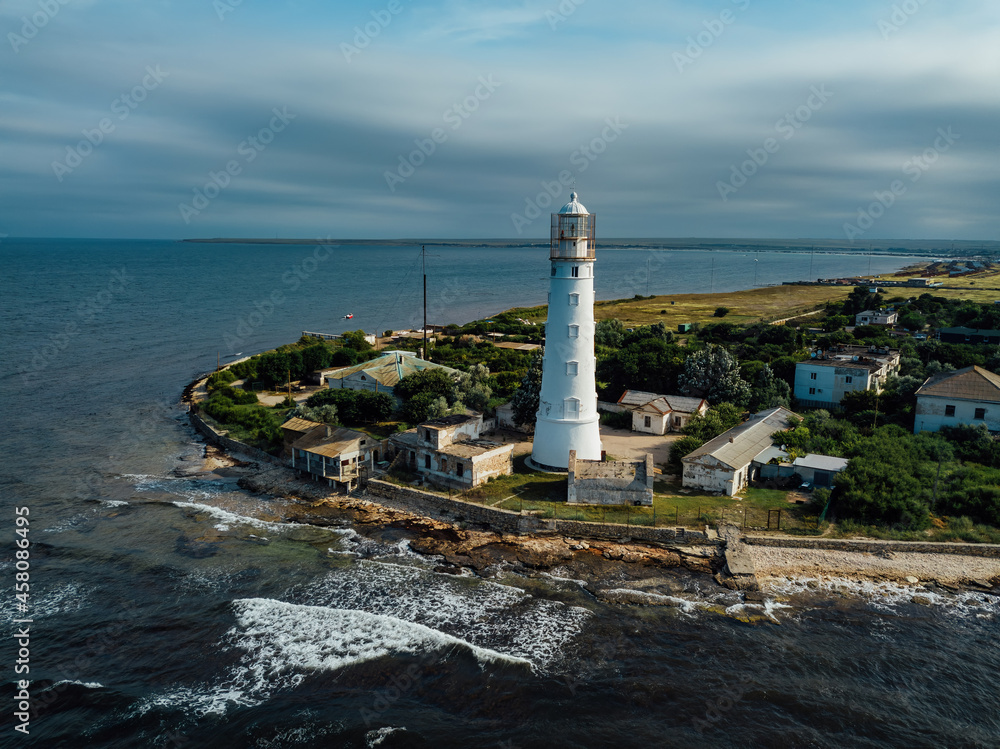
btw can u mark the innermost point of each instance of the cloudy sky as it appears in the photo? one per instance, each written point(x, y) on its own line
point(856, 119)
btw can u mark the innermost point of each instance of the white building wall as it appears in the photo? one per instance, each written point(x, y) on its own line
point(658, 423)
point(567, 410)
point(815, 378)
point(931, 412)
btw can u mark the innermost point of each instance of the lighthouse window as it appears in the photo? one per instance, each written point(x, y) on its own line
point(574, 300)
point(572, 367)
point(572, 407)
point(574, 331)
point(576, 271)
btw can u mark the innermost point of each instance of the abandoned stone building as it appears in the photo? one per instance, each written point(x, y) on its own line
point(450, 452)
point(610, 482)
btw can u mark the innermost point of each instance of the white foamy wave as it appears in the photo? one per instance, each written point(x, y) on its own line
point(284, 642)
point(888, 594)
point(376, 737)
point(488, 614)
point(113, 503)
point(686, 605)
point(768, 608)
point(85, 684)
point(227, 518)
point(45, 602)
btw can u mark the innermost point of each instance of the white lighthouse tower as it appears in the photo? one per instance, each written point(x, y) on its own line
point(567, 416)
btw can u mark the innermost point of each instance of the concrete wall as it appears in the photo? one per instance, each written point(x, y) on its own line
point(929, 416)
point(707, 474)
point(217, 438)
point(876, 547)
point(504, 521)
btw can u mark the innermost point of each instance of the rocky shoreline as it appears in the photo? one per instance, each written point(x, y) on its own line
point(614, 572)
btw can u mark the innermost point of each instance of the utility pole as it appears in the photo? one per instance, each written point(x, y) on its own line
point(423, 261)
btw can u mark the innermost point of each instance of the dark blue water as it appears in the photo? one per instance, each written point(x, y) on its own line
point(175, 612)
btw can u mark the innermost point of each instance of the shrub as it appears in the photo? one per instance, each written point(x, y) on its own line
point(721, 311)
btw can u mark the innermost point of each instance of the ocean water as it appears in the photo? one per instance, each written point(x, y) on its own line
point(179, 612)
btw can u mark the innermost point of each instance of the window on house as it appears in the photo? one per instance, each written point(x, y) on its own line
point(574, 300)
point(576, 271)
point(848, 380)
point(574, 331)
point(427, 461)
point(980, 413)
point(647, 421)
point(812, 391)
point(812, 375)
point(460, 469)
point(572, 368)
point(444, 464)
point(949, 410)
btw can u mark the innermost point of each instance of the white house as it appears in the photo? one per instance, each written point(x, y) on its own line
point(966, 396)
point(876, 317)
point(659, 414)
point(723, 464)
point(823, 380)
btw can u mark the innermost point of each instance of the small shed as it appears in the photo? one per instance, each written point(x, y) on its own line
point(819, 470)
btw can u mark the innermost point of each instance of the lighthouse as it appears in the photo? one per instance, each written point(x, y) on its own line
point(567, 416)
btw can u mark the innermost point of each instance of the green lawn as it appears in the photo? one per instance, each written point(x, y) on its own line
point(545, 494)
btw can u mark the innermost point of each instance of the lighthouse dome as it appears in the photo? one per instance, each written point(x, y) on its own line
point(573, 206)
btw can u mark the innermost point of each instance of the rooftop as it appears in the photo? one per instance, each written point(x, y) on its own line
point(821, 463)
point(296, 424)
point(389, 368)
point(741, 444)
point(971, 383)
point(329, 441)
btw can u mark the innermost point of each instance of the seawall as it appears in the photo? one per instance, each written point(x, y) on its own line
point(875, 547)
point(454, 510)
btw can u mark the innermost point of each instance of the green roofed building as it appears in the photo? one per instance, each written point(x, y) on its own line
point(382, 374)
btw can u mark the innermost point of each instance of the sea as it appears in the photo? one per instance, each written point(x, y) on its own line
point(166, 610)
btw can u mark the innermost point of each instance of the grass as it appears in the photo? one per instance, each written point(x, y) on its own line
point(748, 306)
point(958, 530)
point(545, 494)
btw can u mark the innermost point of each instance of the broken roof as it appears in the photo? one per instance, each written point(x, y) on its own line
point(331, 442)
point(295, 424)
point(970, 383)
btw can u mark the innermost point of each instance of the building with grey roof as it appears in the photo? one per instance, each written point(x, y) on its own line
point(723, 464)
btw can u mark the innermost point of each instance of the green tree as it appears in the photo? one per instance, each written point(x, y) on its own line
point(680, 449)
point(714, 374)
point(525, 400)
point(769, 391)
point(718, 419)
point(317, 356)
point(373, 407)
point(424, 406)
point(609, 333)
point(355, 339)
point(721, 311)
point(433, 381)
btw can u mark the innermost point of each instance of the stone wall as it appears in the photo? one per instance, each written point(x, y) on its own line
point(876, 547)
point(231, 445)
point(504, 521)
